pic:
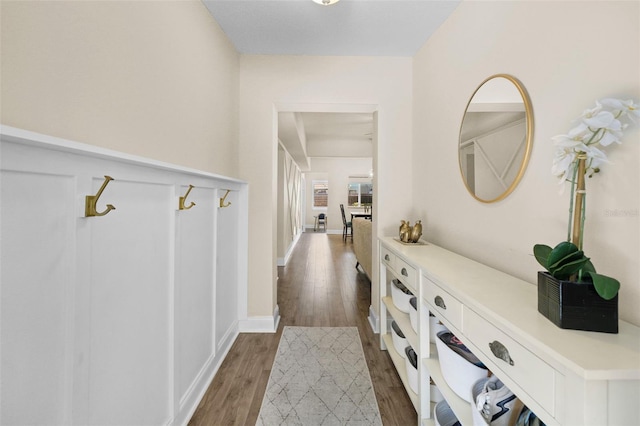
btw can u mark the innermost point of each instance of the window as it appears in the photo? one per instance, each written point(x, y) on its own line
point(360, 194)
point(320, 194)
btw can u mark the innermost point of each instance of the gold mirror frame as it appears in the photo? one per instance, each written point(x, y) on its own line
point(528, 138)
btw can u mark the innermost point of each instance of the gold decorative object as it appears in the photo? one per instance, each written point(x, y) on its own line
point(416, 232)
point(405, 231)
point(410, 234)
point(91, 201)
point(181, 205)
point(222, 203)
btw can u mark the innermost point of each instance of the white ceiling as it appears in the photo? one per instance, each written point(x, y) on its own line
point(347, 28)
point(308, 135)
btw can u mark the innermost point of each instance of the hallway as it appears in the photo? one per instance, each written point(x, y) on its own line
point(319, 287)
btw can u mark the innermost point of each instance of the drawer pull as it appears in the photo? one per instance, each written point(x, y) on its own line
point(386, 257)
point(404, 272)
point(439, 301)
point(500, 351)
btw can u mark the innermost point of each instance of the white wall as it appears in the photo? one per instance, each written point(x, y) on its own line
point(153, 78)
point(567, 55)
point(337, 172)
point(269, 84)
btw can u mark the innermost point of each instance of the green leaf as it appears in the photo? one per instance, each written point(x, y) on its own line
point(588, 267)
point(560, 251)
point(541, 252)
point(606, 287)
point(570, 268)
point(570, 258)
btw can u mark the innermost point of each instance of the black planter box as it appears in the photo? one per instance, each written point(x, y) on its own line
point(576, 306)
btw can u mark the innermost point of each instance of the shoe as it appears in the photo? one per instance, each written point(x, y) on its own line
point(458, 347)
point(443, 415)
point(402, 287)
point(528, 418)
point(495, 402)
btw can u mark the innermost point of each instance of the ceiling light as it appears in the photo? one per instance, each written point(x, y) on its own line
point(326, 2)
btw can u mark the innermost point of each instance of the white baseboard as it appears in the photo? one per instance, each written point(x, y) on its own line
point(309, 228)
point(265, 324)
point(190, 401)
point(374, 321)
point(282, 261)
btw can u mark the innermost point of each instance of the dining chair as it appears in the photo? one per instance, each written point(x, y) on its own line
point(346, 226)
point(322, 221)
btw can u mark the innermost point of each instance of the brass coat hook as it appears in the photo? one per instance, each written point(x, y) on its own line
point(222, 203)
point(181, 205)
point(91, 201)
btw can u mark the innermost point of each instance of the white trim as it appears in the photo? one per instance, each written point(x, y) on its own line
point(209, 371)
point(374, 321)
point(324, 107)
point(243, 251)
point(13, 134)
point(282, 261)
point(265, 324)
point(309, 228)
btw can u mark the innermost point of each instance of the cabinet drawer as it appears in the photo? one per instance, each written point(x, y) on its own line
point(446, 306)
point(512, 360)
point(387, 257)
point(407, 274)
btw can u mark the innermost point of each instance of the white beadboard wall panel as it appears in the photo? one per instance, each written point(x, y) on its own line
point(195, 233)
point(131, 309)
point(37, 270)
point(116, 319)
point(227, 269)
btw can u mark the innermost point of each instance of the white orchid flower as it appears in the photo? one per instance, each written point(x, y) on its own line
point(595, 158)
point(563, 164)
point(567, 150)
point(588, 113)
point(603, 120)
point(600, 125)
point(610, 136)
point(624, 107)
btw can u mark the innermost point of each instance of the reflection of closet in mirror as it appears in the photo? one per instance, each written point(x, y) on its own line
point(495, 138)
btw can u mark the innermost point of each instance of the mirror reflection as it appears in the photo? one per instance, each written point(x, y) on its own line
point(495, 138)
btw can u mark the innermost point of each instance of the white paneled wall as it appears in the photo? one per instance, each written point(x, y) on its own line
point(115, 319)
point(289, 205)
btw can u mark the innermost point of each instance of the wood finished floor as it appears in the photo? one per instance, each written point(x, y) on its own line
point(319, 287)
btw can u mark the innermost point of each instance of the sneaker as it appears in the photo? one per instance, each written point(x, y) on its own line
point(528, 418)
point(496, 403)
point(402, 287)
point(411, 356)
point(444, 415)
point(458, 347)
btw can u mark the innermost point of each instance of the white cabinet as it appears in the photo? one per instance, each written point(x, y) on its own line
point(115, 319)
point(394, 267)
point(566, 377)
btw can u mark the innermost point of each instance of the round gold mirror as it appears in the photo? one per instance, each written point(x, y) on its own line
point(495, 138)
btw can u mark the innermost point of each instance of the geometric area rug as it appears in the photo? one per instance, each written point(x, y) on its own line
point(319, 377)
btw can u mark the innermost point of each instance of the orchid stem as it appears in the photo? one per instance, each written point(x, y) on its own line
point(570, 221)
point(578, 215)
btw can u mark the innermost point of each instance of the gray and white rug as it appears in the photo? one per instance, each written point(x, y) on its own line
point(319, 377)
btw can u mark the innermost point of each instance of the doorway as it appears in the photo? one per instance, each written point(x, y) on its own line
point(332, 144)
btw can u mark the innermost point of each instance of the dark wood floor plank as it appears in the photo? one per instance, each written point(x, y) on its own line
point(320, 286)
